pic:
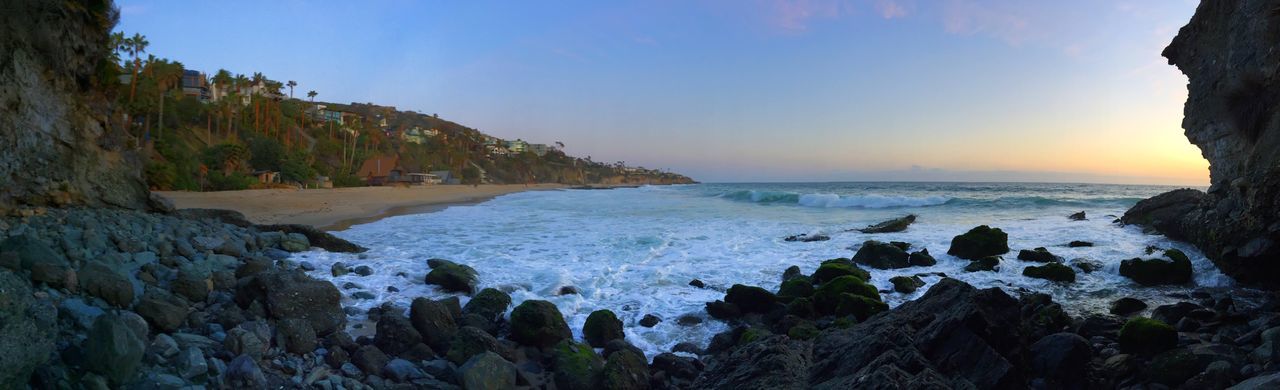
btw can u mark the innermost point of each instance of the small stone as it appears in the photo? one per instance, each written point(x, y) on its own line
point(650, 321)
point(191, 363)
point(697, 283)
point(363, 270)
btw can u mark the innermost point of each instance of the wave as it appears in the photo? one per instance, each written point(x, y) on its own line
point(877, 201)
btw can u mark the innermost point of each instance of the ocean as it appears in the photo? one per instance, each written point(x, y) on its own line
point(635, 250)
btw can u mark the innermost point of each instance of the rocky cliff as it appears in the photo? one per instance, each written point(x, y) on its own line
point(1228, 52)
point(59, 146)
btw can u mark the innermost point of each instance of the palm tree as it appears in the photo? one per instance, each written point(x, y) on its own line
point(291, 84)
point(135, 46)
point(312, 95)
point(167, 75)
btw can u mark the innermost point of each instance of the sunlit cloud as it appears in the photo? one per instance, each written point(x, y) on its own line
point(967, 17)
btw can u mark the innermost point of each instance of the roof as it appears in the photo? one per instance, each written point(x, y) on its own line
point(379, 166)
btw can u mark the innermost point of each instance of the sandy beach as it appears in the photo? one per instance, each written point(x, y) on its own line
point(339, 208)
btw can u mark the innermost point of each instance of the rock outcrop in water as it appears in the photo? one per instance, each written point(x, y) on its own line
point(60, 147)
point(1228, 53)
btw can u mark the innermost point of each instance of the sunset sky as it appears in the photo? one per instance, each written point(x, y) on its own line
point(819, 90)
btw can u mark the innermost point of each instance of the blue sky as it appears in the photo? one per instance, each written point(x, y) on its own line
point(767, 90)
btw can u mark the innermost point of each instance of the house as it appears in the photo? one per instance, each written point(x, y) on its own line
point(517, 146)
point(195, 84)
point(446, 177)
point(540, 149)
point(417, 135)
point(423, 179)
point(381, 170)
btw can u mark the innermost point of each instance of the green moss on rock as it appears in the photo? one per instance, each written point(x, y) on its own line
point(979, 242)
point(601, 327)
point(576, 366)
point(827, 297)
point(835, 268)
point(988, 263)
point(859, 306)
point(795, 288)
point(1147, 336)
point(538, 323)
point(880, 255)
point(1151, 272)
point(750, 299)
point(906, 284)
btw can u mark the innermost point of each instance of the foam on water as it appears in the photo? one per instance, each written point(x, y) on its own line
point(634, 251)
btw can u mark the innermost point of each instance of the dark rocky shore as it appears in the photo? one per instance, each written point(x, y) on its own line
point(104, 287)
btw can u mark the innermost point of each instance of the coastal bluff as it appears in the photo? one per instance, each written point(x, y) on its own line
point(61, 147)
point(1227, 51)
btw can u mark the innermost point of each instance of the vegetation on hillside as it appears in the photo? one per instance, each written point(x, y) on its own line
point(248, 124)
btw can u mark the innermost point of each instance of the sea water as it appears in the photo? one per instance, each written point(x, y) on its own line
point(635, 250)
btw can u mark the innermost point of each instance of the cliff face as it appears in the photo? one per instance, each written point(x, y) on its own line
point(1228, 52)
point(58, 145)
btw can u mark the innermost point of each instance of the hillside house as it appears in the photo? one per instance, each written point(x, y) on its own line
point(381, 170)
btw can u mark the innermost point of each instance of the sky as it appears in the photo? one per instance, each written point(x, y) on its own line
point(743, 90)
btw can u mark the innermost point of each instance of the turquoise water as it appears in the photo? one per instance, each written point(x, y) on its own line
point(635, 250)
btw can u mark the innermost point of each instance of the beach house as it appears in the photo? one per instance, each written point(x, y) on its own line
point(195, 84)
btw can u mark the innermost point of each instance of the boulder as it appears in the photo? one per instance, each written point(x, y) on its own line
point(795, 288)
point(370, 359)
point(243, 373)
point(575, 366)
point(296, 336)
point(488, 303)
point(1086, 265)
point(835, 268)
point(906, 284)
point(771, 363)
point(401, 370)
point(98, 280)
point(538, 323)
point(1173, 367)
point(1147, 336)
point(603, 326)
point(719, 310)
point(395, 334)
point(1051, 271)
point(791, 272)
point(1079, 244)
point(890, 226)
point(27, 331)
point(286, 294)
point(452, 277)
point(750, 299)
point(488, 371)
point(433, 321)
point(697, 283)
point(921, 258)
point(1126, 306)
point(316, 237)
point(471, 341)
point(1150, 272)
point(162, 310)
point(989, 263)
point(650, 320)
point(1077, 216)
point(1039, 255)
point(113, 350)
point(858, 306)
point(241, 341)
point(625, 370)
point(828, 297)
point(294, 242)
point(979, 242)
point(880, 255)
point(1062, 358)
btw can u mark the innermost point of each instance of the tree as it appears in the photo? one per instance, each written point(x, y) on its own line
point(167, 75)
point(291, 84)
point(312, 95)
point(135, 46)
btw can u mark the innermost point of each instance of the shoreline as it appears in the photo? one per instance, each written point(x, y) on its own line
point(340, 208)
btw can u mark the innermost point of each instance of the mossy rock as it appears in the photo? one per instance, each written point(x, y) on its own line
point(890, 226)
point(576, 366)
point(1039, 255)
point(827, 297)
point(1052, 271)
point(625, 370)
point(801, 307)
point(452, 277)
point(906, 284)
point(859, 306)
point(880, 255)
point(751, 299)
point(980, 242)
point(489, 303)
point(601, 327)
point(922, 259)
point(988, 263)
point(795, 288)
point(835, 268)
point(723, 310)
point(803, 331)
point(538, 323)
point(752, 334)
point(1152, 272)
point(1147, 336)
point(845, 322)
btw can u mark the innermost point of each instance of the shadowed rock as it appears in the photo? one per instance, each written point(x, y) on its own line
point(890, 226)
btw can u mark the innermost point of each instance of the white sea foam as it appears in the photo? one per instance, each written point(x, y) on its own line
point(634, 251)
point(869, 201)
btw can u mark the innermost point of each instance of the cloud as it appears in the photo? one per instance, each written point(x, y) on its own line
point(890, 9)
point(997, 20)
point(795, 15)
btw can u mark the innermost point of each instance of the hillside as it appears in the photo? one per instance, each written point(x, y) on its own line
point(228, 132)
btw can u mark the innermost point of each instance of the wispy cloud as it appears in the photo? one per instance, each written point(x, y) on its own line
point(890, 9)
point(968, 17)
point(795, 15)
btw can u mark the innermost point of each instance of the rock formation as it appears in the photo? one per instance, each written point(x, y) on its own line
point(60, 146)
point(1228, 53)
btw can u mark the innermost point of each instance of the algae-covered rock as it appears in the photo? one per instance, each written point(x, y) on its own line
point(625, 370)
point(1150, 272)
point(980, 242)
point(1051, 271)
point(538, 323)
point(1147, 336)
point(828, 296)
point(881, 255)
point(750, 299)
point(988, 263)
point(906, 284)
point(835, 268)
point(575, 366)
point(601, 327)
point(890, 226)
point(452, 277)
